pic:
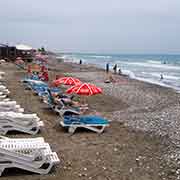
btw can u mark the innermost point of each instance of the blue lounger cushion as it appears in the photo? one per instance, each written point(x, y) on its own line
point(33, 77)
point(43, 90)
point(96, 120)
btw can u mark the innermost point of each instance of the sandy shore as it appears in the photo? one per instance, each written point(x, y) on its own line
point(138, 145)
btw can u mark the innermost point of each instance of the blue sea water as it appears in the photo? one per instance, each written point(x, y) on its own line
point(142, 67)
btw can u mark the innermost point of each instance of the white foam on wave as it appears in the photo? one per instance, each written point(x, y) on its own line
point(154, 62)
point(104, 57)
point(160, 83)
point(164, 76)
point(128, 73)
point(150, 80)
point(160, 66)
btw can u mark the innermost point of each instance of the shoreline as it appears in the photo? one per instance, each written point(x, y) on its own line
point(122, 151)
point(128, 73)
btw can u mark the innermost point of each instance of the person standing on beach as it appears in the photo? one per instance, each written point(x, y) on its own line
point(119, 71)
point(80, 61)
point(115, 68)
point(107, 68)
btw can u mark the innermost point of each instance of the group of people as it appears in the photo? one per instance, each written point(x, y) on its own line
point(115, 68)
point(110, 77)
point(63, 99)
point(42, 73)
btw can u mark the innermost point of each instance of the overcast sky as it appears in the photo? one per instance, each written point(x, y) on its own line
point(104, 26)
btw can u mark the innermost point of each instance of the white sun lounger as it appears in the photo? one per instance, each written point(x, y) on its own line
point(27, 155)
point(19, 160)
point(14, 109)
point(27, 123)
point(8, 104)
point(2, 97)
point(19, 116)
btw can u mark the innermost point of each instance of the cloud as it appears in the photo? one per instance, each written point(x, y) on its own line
point(108, 26)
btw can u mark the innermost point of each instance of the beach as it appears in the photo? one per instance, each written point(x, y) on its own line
point(140, 144)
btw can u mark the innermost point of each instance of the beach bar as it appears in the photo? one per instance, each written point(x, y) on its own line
point(7, 52)
point(10, 53)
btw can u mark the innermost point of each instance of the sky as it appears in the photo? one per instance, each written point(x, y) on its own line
point(101, 26)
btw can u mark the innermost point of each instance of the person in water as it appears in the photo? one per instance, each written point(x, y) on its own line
point(115, 68)
point(161, 78)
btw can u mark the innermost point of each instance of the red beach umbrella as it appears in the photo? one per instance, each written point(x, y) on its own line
point(85, 89)
point(66, 81)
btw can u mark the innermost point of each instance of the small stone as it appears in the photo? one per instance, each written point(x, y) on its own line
point(85, 169)
point(130, 170)
point(115, 149)
point(79, 174)
point(104, 167)
point(97, 153)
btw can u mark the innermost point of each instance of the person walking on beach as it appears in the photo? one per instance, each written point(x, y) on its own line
point(107, 68)
point(80, 61)
point(115, 68)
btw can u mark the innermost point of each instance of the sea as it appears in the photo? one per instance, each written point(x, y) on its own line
point(143, 67)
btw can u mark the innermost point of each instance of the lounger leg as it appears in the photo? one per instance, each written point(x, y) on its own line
point(95, 129)
point(72, 129)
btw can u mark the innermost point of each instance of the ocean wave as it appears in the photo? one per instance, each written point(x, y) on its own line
point(160, 66)
point(165, 76)
point(128, 73)
point(100, 56)
point(154, 62)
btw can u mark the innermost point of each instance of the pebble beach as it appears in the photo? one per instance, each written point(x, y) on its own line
point(143, 139)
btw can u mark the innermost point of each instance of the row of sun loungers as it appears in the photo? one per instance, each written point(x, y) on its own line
point(30, 154)
point(12, 117)
point(69, 118)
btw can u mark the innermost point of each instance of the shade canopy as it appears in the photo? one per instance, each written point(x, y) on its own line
point(84, 89)
point(23, 47)
point(66, 81)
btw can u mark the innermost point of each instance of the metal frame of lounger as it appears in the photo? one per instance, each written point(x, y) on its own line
point(93, 127)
